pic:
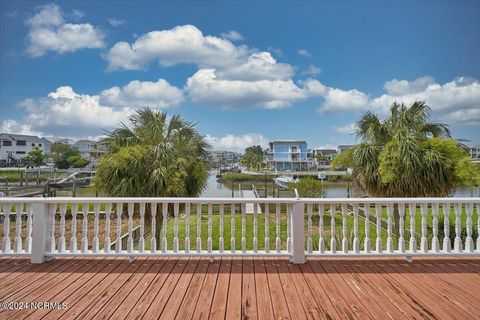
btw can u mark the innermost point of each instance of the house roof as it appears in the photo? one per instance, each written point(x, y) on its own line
point(14, 137)
point(288, 141)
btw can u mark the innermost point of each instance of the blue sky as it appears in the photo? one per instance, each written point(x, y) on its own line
point(246, 73)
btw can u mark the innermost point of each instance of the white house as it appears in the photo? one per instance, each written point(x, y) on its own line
point(90, 149)
point(13, 147)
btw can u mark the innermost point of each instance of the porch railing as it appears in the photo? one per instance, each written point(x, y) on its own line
point(43, 228)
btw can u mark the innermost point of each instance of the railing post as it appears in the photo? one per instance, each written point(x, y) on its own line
point(298, 233)
point(39, 232)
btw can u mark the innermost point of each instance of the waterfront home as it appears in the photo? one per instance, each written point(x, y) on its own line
point(90, 149)
point(474, 151)
point(289, 155)
point(343, 147)
point(328, 154)
point(13, 147)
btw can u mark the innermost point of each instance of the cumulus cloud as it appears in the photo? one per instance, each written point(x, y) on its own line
point(260, 65)
point(48, 31)
point(67, 113)
point(232, 35)
point(238, 143)
point(338, 100)
point(403, 87)
point(13, 126)
point(304, 53)
point(182, 44)
point(457, 101)
point(158, 94)
point(206, 89)
point(312, 70)
point(115, 22)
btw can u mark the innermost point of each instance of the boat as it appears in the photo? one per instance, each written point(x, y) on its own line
point(284, 181)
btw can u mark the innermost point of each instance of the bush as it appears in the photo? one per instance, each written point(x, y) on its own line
point(239, 177)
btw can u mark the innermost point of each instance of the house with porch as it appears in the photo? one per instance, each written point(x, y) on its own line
point(290, 155)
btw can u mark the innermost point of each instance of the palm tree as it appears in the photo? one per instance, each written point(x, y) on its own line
point(404, 155)
point(156, 156)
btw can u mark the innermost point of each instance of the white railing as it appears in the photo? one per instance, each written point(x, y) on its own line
point(47, 227)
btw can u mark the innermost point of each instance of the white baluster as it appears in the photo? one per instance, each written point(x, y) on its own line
point(63, 210)
point(333, 242)
point(73, 238)
point(118, 241)
point(96, 243)
point(28, 243)
point(356, 243)
point(131, 206)
point(478, 227)
point(435, 242)
point(164, 226)
point(199, 227)
point(153, 239)
point(412, 208)
point(289, 227)
point(469, 240)
point(141, 240)
point(52, 242)
point(244, 230)
point(389, 227)
point(447, 245)
point(17, 243)
point(255, 227)
point(6, 228)
point(378, 212)
point(84, 246)
point(278, 244)
point(267, 228)
point(175, 226)
point(220, 240)
point(107, 242)
point(321, 241)
point(458, 228)
point(401, 227)
point(187, 227)
point(232, 227)
point(309, 228)
point(344, 229)
point(209, 239)
point(424, 240)
point(366, 209)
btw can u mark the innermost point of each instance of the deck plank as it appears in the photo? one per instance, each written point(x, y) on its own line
point(219, 304)
point(250, 288)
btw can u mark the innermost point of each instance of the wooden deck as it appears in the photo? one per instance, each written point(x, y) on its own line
point(264, 288)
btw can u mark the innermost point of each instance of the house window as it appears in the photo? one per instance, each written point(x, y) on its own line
point(20, 152)
point(39, 144)
point(33, 144)
point(7, 143)
point(21, 143)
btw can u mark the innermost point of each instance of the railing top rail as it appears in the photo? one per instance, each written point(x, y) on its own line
point(239, 200)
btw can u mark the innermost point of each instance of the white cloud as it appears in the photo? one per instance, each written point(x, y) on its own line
point(66, 113)
point(48, 31)
point(403, 87)
point(312, 70)
point(78, 14)
point(239, 143)
point(12, 126)
point(304, 53)
point(260, 65)
point(457, 101)
point(232, 35)
point(115, 22)
point(158, 94)
point(349, 128)
point(206, 89)
point(338, 100)
point(182, 44)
